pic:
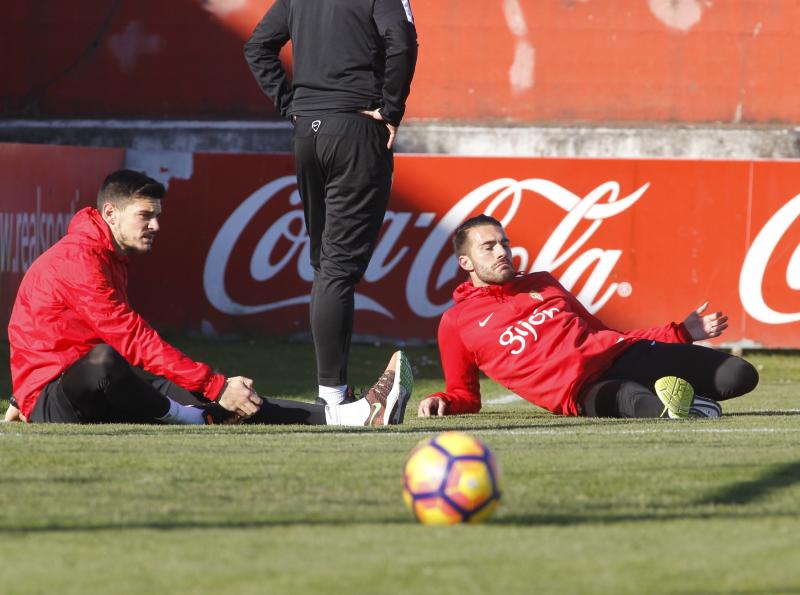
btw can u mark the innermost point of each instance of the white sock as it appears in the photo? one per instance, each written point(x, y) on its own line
point(333, 395)
point(351, 414)
point(181, 414)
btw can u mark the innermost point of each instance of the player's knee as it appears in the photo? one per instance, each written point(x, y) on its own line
point(339, 276)
point(737, 377)
point(107, 361)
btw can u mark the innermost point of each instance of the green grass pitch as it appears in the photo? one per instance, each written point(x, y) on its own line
point(590, 506)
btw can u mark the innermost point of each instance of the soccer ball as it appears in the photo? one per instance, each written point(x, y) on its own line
point(451, 478)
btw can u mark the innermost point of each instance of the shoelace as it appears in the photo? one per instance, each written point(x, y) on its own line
point(381, 387)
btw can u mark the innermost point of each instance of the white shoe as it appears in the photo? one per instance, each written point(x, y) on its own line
point(389, 396)
point(703, 407)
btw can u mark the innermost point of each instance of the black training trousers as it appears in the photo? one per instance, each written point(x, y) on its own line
point(344, 172)
point(626, 388)
point(102, 387)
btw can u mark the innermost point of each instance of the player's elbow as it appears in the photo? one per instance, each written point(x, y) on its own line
point(255, 51)
point(250, 51)
point(401, 39)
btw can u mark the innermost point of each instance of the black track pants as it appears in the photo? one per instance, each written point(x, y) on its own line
point(626, 388)
point(102, 387)
point(344, 172)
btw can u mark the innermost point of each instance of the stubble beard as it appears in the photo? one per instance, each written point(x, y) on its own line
point(494, 276)
point(138, 245)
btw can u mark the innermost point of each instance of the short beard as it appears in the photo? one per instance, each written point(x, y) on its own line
point(493, 277)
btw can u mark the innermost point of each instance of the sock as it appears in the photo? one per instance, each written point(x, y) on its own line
point(352, 414)
point(333, 395)
point(180, 414)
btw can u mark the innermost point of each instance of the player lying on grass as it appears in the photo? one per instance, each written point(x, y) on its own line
point(76, 342)
point(531, 335)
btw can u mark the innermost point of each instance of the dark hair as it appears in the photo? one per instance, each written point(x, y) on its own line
point(460, 235)
point(125, 184)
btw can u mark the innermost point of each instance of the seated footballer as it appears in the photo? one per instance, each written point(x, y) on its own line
point(76, 343)
point(528, 333)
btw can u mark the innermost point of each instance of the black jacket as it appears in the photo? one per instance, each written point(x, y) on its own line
point(347, 55)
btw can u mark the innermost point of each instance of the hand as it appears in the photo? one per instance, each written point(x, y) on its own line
point(239, 397)
point(432, 407)
point(705, 327)
point(13, 414)
point(376, 115)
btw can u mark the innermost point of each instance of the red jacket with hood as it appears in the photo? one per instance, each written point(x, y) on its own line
point(533, 337)
point(72, 298)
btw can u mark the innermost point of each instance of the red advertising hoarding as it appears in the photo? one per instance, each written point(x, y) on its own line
point(482, 62)
point(41, 188)
point(639, 241)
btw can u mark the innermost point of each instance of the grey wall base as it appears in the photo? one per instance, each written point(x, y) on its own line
point(677, 142)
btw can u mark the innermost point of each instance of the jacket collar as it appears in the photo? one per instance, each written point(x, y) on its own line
point(90, 224)
point(467, 290)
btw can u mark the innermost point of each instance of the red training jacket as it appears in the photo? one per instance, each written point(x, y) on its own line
point(72, 298)
point(532, 336)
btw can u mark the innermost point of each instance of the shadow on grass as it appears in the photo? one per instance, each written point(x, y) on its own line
point(489, 421)
point(532, 520)
point(467, 423)
point(776, 413)
point(610, 519)
point(749, 491)
point(51, 480)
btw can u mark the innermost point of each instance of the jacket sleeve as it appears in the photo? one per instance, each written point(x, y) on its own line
point(262, 54)
point(102, 307)
point(672, 332)
point(462, 387)
point(396, 25)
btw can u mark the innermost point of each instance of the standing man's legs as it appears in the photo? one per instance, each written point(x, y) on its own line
point(344, 172)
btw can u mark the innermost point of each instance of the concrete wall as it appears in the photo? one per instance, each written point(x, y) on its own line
point(682, 142)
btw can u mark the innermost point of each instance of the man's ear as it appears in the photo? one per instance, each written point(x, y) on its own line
point(465, 263)
point(108, 212)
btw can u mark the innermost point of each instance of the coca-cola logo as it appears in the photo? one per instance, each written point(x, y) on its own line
point(751, 279)
point(429, 266)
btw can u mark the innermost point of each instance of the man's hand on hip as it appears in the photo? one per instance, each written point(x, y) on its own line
point(376, 115)
point(239, 397)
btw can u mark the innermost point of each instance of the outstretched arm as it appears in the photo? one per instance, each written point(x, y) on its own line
point(671, 332)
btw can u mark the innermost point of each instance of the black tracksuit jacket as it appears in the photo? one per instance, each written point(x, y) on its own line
point(347, 55)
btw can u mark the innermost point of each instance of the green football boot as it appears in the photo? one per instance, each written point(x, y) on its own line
point(677, 396)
